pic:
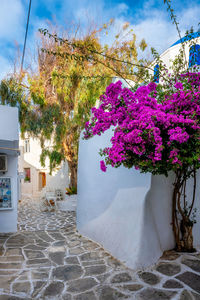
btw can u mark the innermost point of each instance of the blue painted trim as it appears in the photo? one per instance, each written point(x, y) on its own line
point(156, 73)
point(187, 38)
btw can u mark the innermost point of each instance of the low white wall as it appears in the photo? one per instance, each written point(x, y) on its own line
point(129, 213)
point(59, 180)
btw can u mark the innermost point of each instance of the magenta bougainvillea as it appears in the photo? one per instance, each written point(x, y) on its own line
point(152, 132)
point(157, 130)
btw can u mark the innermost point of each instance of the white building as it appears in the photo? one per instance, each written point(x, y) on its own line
point(191, 52)
point(129, 213)
point(36, 178)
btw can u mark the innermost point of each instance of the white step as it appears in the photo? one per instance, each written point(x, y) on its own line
point(69, 204)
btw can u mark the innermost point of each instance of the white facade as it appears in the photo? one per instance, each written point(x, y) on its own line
point(9, 144)
point(127, 212)
point(40, 180)
point(121, 208)
point(29, 159)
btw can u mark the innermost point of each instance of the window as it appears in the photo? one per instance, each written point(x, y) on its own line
point(27, 172)
point(27, 145)
point(156, 73)
point(194, 55)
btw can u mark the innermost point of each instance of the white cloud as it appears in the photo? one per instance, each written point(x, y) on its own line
point(5, 67)
point(159, 32)
point(189, 17)
point(121, 8)
point(155, 26)
point(11, 20)
point(88, 13)
point(12, 29)
point(147, 22)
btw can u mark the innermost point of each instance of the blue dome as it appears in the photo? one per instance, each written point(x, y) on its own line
point(187, 38)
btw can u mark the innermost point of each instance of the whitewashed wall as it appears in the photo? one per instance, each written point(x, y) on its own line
point(31, 160)
point(60, 180)
point(28, 189)
point(33, 157)
point(9, 136)
point(9, 127)
point(129, 213)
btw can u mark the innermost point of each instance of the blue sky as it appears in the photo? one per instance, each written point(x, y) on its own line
point(148, 19)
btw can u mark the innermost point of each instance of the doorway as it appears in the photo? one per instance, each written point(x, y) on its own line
point(42, 180)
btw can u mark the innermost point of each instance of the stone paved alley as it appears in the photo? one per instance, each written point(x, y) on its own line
point(48, 259)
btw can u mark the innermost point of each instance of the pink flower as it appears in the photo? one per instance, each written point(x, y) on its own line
point(153, 131)
point(178, 85)
point(103, 166)
point(152, 86)
point(178, 134)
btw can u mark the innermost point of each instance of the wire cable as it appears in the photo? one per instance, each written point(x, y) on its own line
point(27, 23)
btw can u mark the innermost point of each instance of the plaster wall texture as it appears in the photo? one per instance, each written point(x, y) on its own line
point(129, 213)
point(9, 138)
point(9, 127)
point(33, 157)
point(28, 189)
point(96, 189)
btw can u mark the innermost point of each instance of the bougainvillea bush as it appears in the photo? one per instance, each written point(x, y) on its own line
point(157, 130)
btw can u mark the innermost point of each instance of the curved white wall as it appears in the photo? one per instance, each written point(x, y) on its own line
point(129, 213)
point(96, 189)
point(117, 208)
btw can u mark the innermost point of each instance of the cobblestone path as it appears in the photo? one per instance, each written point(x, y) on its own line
point(48, 259)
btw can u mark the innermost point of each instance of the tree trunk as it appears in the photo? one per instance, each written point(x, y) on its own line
point(182, 224)
point(73, 175)
point(187, 236)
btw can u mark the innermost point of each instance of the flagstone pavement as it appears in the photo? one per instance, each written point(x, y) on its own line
point(49, 259)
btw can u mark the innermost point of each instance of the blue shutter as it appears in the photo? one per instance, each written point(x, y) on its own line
point(156, 73)
point(194, 55)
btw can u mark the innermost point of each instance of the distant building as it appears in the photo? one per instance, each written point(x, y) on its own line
point(35, 179)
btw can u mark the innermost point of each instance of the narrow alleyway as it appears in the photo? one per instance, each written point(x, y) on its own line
point(49, 259)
